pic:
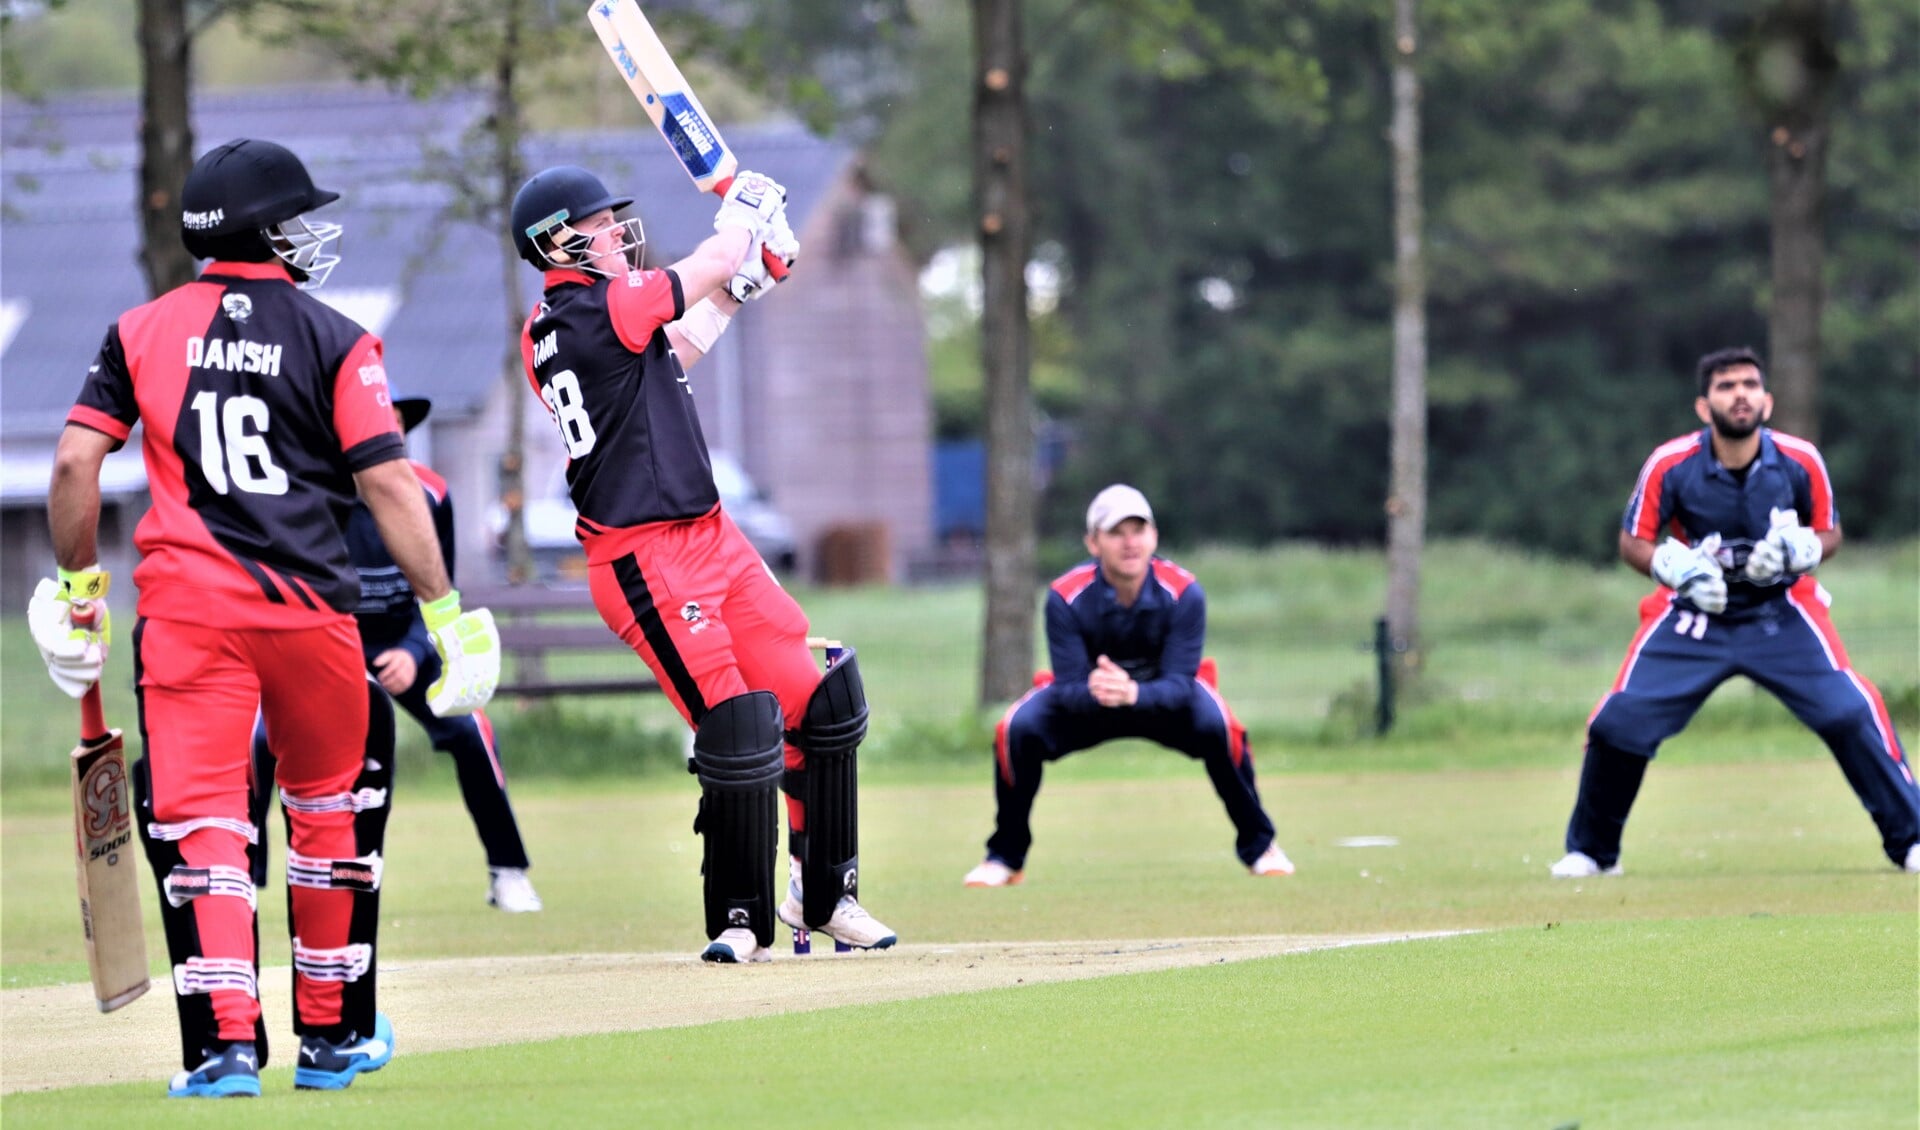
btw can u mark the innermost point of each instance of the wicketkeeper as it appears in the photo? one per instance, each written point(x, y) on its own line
point(1747, 514)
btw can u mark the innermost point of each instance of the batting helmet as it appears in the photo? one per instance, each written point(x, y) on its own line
point(561, 196)
point(242, 188)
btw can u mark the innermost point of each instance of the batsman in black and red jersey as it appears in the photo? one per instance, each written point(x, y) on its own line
point(263, 412)
point(607, 351)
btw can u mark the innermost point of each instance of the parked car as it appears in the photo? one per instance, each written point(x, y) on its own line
point(556, 552)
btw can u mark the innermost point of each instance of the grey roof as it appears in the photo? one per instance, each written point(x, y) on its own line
point(69, 239)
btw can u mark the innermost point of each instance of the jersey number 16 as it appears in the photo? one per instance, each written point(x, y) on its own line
point(227, 446)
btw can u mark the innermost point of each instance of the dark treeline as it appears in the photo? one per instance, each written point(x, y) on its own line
point(1217, 193)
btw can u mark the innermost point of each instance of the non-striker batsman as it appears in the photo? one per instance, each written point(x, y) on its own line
point(263, 411)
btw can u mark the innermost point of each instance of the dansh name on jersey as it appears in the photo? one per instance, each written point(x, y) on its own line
point(233, 356)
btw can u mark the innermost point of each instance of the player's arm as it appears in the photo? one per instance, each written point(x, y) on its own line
point(73, 495)
point(1070, 654)
point(1637, 552)
point(399, 505)
point(1180, 656)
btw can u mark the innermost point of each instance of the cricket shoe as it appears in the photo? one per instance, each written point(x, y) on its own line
point(512, 891)
point(850, 925)
point(233, 1073)
point(1580, 865)
point(328, 1066)
point(1913, 860)
point(1272, 861)
point(736, 945)
point(993, 873)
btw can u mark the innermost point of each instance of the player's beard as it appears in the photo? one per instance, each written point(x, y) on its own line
point(1727, 428)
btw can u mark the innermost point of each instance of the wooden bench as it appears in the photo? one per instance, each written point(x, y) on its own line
point(527, 637)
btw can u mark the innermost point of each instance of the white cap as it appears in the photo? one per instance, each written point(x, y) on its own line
point(1115, 505)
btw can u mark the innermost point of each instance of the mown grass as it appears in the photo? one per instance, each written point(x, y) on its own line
point(1517, 650)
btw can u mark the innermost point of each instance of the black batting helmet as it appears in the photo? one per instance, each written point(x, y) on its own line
point(564, 194)
point(241, 188)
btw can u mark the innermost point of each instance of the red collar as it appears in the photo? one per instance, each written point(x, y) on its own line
point(553, 278)
point(272, 269)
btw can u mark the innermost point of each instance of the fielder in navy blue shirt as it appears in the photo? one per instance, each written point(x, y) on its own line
point(1747, 514)
point(400, 657)
point(1124, 632)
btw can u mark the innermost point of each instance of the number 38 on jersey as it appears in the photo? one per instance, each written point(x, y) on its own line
point(562, 396)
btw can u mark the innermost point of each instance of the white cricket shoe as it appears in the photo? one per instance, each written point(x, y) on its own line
point(1580, 865)
point(850, 925)
point(736, 945)
point(1913, 860)
point(993, 873)
point(512, 891)
point(1272, 861)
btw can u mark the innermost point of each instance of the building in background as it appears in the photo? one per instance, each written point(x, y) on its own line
point(819, 392)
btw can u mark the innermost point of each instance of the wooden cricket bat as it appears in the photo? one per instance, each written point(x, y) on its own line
point(103, 841)
point(664, 93)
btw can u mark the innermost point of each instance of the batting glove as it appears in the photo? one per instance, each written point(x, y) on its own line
point(469, 647)
point(1693, 572)
point(753, 202)
point(755, 276)
point(74, 654)
point(1788, 548)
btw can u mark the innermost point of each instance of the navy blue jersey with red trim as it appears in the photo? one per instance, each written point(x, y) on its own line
point(1158, 640)
point(259, 403)
point(388, 609)
point(1683, 491)
point(596, 352)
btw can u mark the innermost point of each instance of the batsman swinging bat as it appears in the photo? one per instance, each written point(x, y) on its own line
point(103, 842)
point(667, 98)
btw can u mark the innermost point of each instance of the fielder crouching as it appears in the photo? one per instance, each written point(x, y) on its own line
point(607, 350)
point(264, 411)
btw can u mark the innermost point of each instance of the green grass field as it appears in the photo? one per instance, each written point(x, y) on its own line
point(1758, 965)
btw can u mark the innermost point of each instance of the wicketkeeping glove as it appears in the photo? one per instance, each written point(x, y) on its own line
point(1692, 571)
point(469, 647)
point(1789, 547)
point(74, 655)
point(753, 201)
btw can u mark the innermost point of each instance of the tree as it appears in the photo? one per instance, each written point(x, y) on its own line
point(1407, 504)
point(1005, 234)
point(1789, 62)
point(166, 140)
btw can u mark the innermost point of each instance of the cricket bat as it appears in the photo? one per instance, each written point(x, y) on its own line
point(103, 842)
point(667, 98)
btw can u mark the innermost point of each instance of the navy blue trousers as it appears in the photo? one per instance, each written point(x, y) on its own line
point(1036, 730)
point(468, 739)
point(1787, 645)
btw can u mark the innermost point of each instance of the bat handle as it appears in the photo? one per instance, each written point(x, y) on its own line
point(93, 719)
point(776, 267)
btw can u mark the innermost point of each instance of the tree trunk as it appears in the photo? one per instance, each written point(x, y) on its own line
point(1407, 501)
point(1791, 68)
point(166, 141)
point(507, 128)
point(1000, 194)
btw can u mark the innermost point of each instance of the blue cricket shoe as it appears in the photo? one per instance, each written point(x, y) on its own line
point(232, 1073)
point(326, 1066)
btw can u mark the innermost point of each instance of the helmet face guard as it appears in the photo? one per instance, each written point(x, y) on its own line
point(558, 235)
point(302, 245)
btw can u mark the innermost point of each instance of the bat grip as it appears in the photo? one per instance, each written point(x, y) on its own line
point(93, 719)
point(777, 267)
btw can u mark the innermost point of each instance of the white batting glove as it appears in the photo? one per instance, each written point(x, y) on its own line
point(1788, 548)
point(754, 279)
point(753, 201)
point(1693, 572)
point(74, 655)
point(469, 647)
